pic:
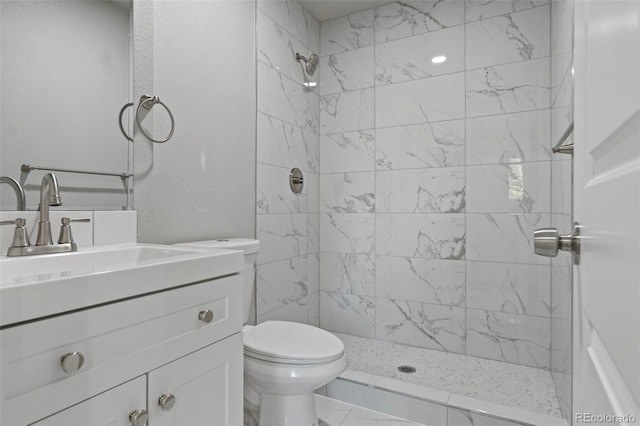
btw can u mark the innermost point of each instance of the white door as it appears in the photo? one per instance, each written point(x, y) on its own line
point(111, 408)
point(607, 205)
point(201, 389)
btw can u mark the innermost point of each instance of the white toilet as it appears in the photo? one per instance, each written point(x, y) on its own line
point(284, 362)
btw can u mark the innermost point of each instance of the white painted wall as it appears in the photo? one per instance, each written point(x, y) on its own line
point(199, 58)
point(65, 76)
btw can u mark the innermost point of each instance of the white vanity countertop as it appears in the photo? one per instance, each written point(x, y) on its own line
point(38, 286)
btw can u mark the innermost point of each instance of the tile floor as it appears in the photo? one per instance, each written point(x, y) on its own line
point(332, 412)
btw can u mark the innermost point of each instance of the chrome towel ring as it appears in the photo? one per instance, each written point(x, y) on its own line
point(148, 102)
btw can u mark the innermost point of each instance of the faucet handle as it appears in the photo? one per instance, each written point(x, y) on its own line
point(20, 236)
point(65, 229)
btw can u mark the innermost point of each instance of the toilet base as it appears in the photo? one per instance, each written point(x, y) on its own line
point(289, 410)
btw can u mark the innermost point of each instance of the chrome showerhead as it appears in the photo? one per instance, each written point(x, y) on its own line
point(310, 64)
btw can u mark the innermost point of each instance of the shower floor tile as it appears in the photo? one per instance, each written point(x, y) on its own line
point(498, 382)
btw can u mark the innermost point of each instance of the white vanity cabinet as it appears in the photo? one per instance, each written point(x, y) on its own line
point(96, 365)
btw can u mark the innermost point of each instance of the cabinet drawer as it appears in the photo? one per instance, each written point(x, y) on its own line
point(117, 341)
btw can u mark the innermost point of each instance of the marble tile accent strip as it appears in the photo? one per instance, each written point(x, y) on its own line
point(518, 36)
point(423, 145)
point(437, 190)
point(421, 101)
point(520, 86)
point(407, 18)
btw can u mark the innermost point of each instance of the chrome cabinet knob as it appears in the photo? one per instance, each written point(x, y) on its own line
point(548, 242)
point(72, 362)
point(206, 316)
point(166, 401)
point(138, 417)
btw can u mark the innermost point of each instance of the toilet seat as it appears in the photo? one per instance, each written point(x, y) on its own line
point(287, 342)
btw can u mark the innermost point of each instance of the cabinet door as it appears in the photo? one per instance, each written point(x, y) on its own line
point(110, 408)
point(202, 388)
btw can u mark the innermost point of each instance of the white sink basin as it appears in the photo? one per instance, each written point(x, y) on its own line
point(37, 286)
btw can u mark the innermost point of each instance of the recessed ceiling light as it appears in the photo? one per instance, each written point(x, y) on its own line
point(438, 59)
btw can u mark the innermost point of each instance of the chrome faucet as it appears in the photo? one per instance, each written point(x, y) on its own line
point(49, 196)
point(17, 188)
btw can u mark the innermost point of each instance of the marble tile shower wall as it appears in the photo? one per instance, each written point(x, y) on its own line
point(433, 176)
point(287, 137)
point(561, 202)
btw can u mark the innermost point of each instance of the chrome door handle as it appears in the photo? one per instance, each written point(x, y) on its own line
point(548, 242)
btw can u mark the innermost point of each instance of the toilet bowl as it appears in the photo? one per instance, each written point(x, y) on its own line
point(284, 362)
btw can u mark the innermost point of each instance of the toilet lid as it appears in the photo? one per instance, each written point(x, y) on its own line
point(291, 343)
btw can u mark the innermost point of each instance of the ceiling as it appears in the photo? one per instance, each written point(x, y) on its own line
point(324, 10)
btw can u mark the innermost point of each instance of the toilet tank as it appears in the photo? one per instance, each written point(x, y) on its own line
point(250, 248)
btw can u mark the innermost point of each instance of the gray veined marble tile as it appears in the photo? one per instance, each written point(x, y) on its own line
point(434, 236)
point(434, 190)
point(273, 194)
point(435, 281)
point(509, 138)
point(281, 283)
point(403, 19)
point(313, 305)
point(348, 273)
point(513, 37)
point(520, 339)
point(276, 47)
point(412, 58)
point(347, 152)
point(346, 33)
point(363, 417)
point(347, 111)
point(504, 237)
point(429, 326)
point(509, 188)
point(510, 288)
point(483, 9)
point(520, 86)
point(347, 232)
point(347, 192)
point(282, 236)
point(313, 272)
point(561, 27)
point(420, 101)
point(285, 99)
point(313, 233)
point(348, 313)
point(312, 189)
point(458, 417)
point(423, 145)
point(345, 71)
point(561, 190)
point(289, 14)
point(282, 144)
point(297, 311)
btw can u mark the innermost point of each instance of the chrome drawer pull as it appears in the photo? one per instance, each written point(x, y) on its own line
point(206, 316)
point(72, 362)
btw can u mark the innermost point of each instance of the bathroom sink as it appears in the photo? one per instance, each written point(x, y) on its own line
point(36, 286)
